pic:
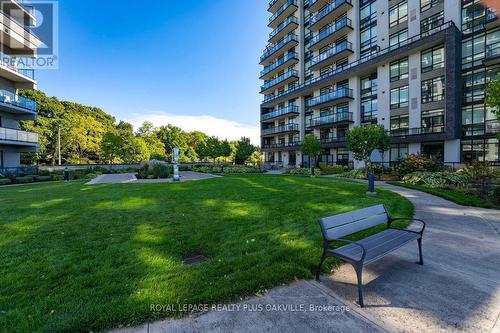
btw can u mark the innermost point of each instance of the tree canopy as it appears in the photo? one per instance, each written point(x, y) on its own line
point(364, 140)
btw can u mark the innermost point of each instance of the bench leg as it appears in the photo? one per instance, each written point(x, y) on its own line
point(421, 262)
point(359, 273)
point(318, 271)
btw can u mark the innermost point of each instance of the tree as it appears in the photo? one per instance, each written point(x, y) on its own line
point(256, 159)
point(364, 140)
point(147, 128)
point(111, 147)
point(493, 97)
point(311, 147)
point(244, 149)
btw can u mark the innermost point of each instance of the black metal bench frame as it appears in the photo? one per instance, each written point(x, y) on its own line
point(358, 264)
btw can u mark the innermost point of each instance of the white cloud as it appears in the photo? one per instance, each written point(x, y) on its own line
point(213, 126)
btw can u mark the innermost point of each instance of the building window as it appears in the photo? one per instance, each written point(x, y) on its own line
point(399, 97)
point(433, 90)
point(400, 124)
point(398, 14)
point(369, 102)
point(368, 27)
point(433, 121)
point(399, 69)
point(398, 152)
point(432, 59)
point(432, 22)
point(395, 40)
point(428, 4)
point(480, 150)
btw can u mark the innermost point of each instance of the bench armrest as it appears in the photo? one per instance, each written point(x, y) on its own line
point(409, 219)
point(352, 242)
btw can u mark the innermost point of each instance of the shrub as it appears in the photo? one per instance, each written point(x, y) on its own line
point(415, 163)
point(207, 169)
point(154, 169)
point(40, 178)
point(354, 174)
point(332, 170)
point(436, 179)
point(303, 171)
point(495, 195)
point(477, 171)
point(24, 179)
point(240, 169)
point(5, 181)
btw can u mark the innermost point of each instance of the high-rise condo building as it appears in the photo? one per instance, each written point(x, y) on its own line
point(418, 67)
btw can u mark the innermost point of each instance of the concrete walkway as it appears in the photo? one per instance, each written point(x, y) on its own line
point(458, 289)
point(123, 178)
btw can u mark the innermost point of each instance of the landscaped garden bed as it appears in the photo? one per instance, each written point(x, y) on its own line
point(78, 258)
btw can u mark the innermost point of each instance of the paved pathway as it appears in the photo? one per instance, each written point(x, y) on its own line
point(122, 178)
point(458, 289)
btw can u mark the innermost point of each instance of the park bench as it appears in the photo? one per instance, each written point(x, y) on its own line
point(370, 249)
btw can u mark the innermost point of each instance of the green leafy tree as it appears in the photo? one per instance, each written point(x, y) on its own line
point(256, 159)
point(364, 140)
point(493, 97)
point(244, 149)
point(311, 147)
point(111, 147)
point(147, 128)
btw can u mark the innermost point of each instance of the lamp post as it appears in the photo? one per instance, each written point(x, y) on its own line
point(177, 178)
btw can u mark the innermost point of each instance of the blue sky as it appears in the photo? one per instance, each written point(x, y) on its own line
point(189, 62)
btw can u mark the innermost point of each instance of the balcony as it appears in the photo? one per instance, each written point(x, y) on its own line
point(283, 146)
point(492, 126)
point(12, 137)
point(271, 131)
point(331, 119)
point(10, 70)
point(284, 11)
point(24, 11)
point(329, 35)
point(335, 97)
point(292, 109)
point(282, 30)
point(402, 132)
point(274, 5)
point(283, 62)
point(336, 9)
point(285, 78)
point(22, 106)
point(492, 56)
point(330, 141)
point(315, 5)
point(283, 46)
point(329, 57)
point(491, 20)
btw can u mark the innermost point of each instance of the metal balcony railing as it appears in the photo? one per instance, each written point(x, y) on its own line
point(345, 22)
point(283, 145)
point(282, 25)
point(332, 139)
point(280, 112)
point(345, 45)
point(493, 50)
point(7, 97)
point(269, 68)
point(282, 9)
point(270, 50)
point(333, 118)
point(281, 129)
point(279, 79)
point(417, 131)
point(331, 96)
point(8, 134)
point(11, 63)
point(327, 10)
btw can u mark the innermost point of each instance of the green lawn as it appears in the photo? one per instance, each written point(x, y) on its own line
point(456, 196)
point(76, 258)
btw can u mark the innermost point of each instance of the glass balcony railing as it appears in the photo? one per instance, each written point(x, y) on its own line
point(283, 144)
point(8, 134)
point(327, 10)
point(333, 118)
point(345, 45)
point(279, 62)
point(6, 97)
point(281, 129)
point(279, 79)
point(11, 63)
point(345, 22)
point(270, 50)
point(282, 9)
point(331, 96)
point(417, 131)
point(283, 25)
point(280, 112)
point(332, 139)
